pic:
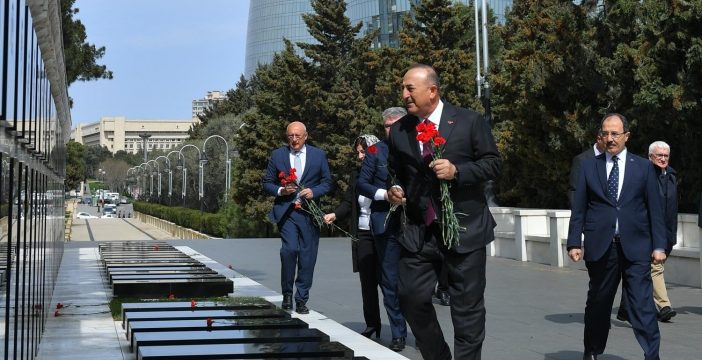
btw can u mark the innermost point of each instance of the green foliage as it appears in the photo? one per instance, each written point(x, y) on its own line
point(80, 57)
point(546, 92)
point(75, 166)
point(211, 224)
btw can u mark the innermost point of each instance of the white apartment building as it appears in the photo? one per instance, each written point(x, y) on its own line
point(212, 97)
point(119, 133)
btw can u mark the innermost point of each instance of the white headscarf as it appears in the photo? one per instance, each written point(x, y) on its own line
point(368, 139)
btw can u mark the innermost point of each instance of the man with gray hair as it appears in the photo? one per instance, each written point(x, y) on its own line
point(659, 154)
point(390, 115)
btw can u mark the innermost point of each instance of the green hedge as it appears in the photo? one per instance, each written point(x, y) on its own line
point(211, 224)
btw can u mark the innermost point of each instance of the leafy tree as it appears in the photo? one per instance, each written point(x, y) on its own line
point(92, 157)
point(75, 165)
point(129, 158)
point(115, 174)
point(546, 91)
point(80, 56)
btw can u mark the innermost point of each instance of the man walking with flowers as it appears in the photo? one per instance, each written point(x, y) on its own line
point(297, 175)
point(441, 155)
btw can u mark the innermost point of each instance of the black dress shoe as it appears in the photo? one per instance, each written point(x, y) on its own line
point(301, 308)
point(370, 330)
point(397, 344)
point(666, 313)
point(589, 356)
point(444, 297)
point(287, 302)
point(622, 315)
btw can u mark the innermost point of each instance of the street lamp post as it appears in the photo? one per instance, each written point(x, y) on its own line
point(158, 172)
point(227, 175)
point(170, 176)
point(185, 173)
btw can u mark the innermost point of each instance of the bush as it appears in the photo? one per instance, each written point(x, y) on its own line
point(211, 224)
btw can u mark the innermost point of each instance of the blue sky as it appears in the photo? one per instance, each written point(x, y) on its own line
point(163, 53)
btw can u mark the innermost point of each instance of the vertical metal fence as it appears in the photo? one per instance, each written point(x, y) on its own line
point(34, 123)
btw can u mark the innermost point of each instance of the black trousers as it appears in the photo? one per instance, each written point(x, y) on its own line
point(605, 275)
point(368, 274)
point(419, 273)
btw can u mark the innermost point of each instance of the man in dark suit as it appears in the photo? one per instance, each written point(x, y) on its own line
point(618, 210)
point(469, 159)
point(298, 232)
point(372, 183)
point(597, 148)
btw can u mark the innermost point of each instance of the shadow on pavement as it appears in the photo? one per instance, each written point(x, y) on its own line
point(568, 318)
point(577, 355)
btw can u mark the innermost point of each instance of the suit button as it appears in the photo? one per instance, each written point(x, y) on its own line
point(618, 208)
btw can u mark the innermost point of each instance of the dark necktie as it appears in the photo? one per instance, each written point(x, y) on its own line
point(613, 180)
point(430, 214)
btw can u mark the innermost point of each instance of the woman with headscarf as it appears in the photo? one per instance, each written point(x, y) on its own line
point(357, 209)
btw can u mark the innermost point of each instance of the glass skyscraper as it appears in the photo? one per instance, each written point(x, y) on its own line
point(272, 20)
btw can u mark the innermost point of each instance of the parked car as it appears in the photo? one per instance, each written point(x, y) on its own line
point(109, 215)
point(123, 200)
point(85, 215)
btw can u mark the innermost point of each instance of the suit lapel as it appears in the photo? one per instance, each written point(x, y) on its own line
point(448, 121)
point(631, 170)
point(413, 142)
point(601, 167)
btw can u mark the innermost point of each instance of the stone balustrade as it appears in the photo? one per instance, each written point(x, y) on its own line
point(177, 231)
point(540, 235)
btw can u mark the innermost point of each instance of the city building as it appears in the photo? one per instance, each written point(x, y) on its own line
point(119, 133)
point(272, 20)
point(212, 97)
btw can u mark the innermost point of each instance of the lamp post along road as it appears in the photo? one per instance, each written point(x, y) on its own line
point(158, 171)
point(185, 170)
point(228, 163)
point(170, 177)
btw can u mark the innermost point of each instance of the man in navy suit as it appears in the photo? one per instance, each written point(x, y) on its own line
point(372, 183)
point(298, 232)
point(616, 206)
point(470, 158)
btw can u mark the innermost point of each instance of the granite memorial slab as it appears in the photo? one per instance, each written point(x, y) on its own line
point(245, 351)
point(187, 305)
point(193, 337)
point(161, 288)
point(203, 315)
point(221, 324)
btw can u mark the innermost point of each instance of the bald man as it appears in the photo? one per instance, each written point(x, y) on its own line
point(298, 232)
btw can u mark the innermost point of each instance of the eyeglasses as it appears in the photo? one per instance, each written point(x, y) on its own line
point(661, 156)
point(295, 136)
point(615, 135)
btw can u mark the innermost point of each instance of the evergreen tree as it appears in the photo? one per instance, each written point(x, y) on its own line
point(546, 95)
point(75, 166)
point(80, 57)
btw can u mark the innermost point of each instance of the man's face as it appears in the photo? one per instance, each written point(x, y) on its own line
point(660, 157)
point(613, 135)
point(418, 93)
point(296, 136)
point(387, 123)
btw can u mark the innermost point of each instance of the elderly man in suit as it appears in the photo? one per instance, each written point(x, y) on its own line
point(372, 183)
point(469, 159)
point(298, 232)
point(618, 209)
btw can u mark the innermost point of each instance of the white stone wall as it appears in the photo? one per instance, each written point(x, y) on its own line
point(540, 236)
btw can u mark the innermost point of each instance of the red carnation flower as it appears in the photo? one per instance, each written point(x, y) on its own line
point(171, 296)
point(297, 205)
point(372, 149)
point(281, 175)
point(283, 182)
point(292, 171)
point(193, 303)
point(209, 322)
point(438, 141)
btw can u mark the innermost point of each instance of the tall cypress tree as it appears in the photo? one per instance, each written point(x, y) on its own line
point(546, 94)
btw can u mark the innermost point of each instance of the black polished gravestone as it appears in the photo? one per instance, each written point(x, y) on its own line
point(203, 315)
point(246, 351)
point(128, 308)
point(135, 327)
point(252, 336)
point(157, 270)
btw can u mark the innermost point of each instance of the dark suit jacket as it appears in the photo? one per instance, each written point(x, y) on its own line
point(373, 176)
point(668, 187)
point(316, 177)
point(638, 209)
point(575, 170)
point(348, 208)
point(471, 148)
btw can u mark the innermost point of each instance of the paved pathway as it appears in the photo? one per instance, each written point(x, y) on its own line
point(533, 311)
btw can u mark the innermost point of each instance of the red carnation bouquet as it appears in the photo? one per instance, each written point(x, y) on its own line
point(448, 219)
point(310, 206)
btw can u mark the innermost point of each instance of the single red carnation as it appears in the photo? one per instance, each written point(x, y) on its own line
point(438, 141)
point(297, 205)
point(209, 322)
point(283, 182)
point(281, 175)
point(372, 149)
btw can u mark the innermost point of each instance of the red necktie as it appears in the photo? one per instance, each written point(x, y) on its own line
point(430, 214)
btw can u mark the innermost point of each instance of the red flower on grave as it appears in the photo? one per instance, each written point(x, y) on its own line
point(156, 247)
point(209, 322)
point(372, 149)
point(193, 303)
point(59, 306)
point(230, 267)
point(171, 296)
point(56, 313)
